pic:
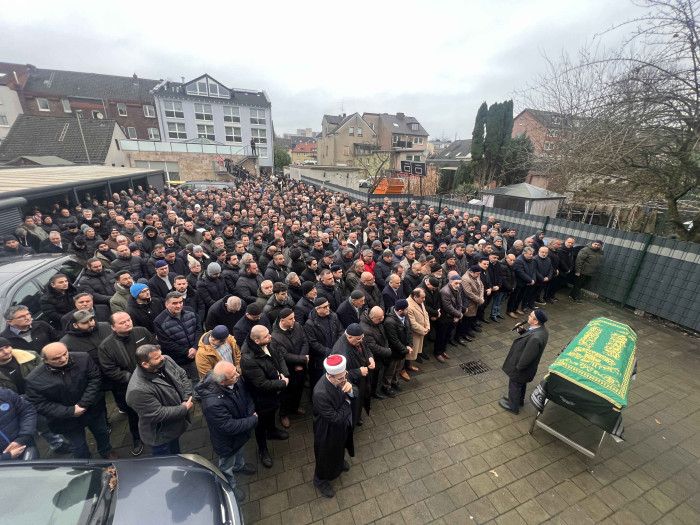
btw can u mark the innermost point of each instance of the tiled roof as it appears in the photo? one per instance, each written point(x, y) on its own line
point(305, 147)
point(457, 150)
point(524, 190)
point(8, 71)
point(242, 97)
point(402, 124)
point(90, 85)
point(41, 136)
point(333, 119)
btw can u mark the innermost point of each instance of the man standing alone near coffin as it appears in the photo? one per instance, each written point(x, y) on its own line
point(522, 360)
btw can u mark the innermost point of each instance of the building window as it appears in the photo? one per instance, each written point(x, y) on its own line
point(359, 131)
point(96, 114)
point(346, 151)
point(418, 140)
point(121, 109)
point(3, 121)
point(232, 114)
point(548, 146)
point(132, 132)
point(262, 152)
point(205, 132)
point(414, 127)
point(257, 116)
point(521, 122)
point(149, 112)
point(203, 112)
point(233, 134)
point(43, 104)
point(371, 126)
point(414, 158)
point(79, 114)
point(66, 105)
point(153, 134)
point(553, 133)
point(173, 109)
point(556, 120)
point(351, 131)
point(395, 139)
point(259, 136)
point(176, 130)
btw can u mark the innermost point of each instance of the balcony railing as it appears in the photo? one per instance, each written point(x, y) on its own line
point(182, 147)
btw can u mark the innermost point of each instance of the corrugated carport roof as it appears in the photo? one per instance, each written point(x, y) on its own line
point(15, 182)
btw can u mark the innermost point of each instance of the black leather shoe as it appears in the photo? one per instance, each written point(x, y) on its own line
point(396, 387)
point(247, 470)
point(453, 342)
point(278, 434)
point(495, 320)
point(424, 356)
point(378, 395)
point(325, 489)
point(505, 398)
point(485, 321)
point(500, 316)
point(360, 422)
point(506, 405)
point(477, 328)
point(462, 341)
point(477, 324)
point(266, 458)
point(470, 336)
point(389, 392)
point(346, 466)
point(419, 358)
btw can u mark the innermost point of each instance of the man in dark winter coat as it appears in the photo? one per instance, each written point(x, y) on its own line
point(382, 269)
point(253, 316)
point(18, 423)
point(161, 284)
point(97, 281)
point(58, 300)
point(305, 305)
point(327, 288)
point(66, 389)
point(227, 311)
point(392, 292)
point(351, 309)
point(265, 373)
point(400, 337)
point(276, 270)
point(160, 393)
point(85, 335)
point(125, 261)
point(143, 308)
point(372, 323)
point(544, 272)
point(84, 301)
point(373, 295)
point(588, 261)
point(25, 333)
point(334, 398)
point(359, 364)
point(289, 338)
point(522, 360)
point(322, 331)
point(230, 414)
point(230, 272)
point(249, 282)
point(280, 299)
point(178, 334)
point(117, 356)
point(211, 287)
point(525, 279)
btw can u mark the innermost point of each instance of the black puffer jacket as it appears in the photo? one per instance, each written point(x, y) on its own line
point(321, 335)
point(132, 264)
point(55, 305)
point(291, 343)
point(507, 277)
point(100, 285)
point(145, 314)
point(41, 334)
point(333, 294)
point(230, 275)
point(262, 375)
point(177, 335)
point(275, 274)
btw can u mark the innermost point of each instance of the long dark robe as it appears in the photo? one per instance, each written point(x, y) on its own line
point(355, 360)
point(333, 430)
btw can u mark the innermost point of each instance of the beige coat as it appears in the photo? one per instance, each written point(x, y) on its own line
point(420, 321)
point(474, 289)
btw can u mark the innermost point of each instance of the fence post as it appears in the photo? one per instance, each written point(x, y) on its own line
point(635, 271)
point(546, 221)
point(481, 213)
point(440, 205)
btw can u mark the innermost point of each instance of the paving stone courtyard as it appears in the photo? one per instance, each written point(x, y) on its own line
point(444, 452)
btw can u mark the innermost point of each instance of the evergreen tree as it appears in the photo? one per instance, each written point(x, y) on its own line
point(517, 160)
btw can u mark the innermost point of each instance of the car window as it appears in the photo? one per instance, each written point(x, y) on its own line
point(44, 277)
point(71, 269)
point(29, 295)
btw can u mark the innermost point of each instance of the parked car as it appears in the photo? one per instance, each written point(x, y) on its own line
point(23, 280)
point(364, 183)
point(201, 185)
point(153, 490)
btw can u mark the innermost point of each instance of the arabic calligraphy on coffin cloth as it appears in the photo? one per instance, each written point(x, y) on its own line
point(600, 359)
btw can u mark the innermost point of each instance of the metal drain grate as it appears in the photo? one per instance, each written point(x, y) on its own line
point(474, 368)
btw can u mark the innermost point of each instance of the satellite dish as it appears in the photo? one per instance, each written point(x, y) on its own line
point(99, 115)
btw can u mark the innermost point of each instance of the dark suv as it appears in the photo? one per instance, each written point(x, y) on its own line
point(23, 280)
point(203, 185)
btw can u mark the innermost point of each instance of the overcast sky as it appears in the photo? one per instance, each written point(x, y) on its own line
point(434, 60)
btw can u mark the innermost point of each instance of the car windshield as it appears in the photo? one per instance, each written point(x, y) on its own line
point(59, 495)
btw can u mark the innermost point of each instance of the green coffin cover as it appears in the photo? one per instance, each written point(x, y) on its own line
point(600, 359)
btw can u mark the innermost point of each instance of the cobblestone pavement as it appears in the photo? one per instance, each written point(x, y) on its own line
point(444, 452)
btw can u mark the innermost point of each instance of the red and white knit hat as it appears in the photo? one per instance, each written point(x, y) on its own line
point(334, 364)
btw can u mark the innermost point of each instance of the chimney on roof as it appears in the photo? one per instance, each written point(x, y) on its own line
point(343, 115)
point(400, 116)
point(136, 80)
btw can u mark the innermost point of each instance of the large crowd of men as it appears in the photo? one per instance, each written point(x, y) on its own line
point(185, 293)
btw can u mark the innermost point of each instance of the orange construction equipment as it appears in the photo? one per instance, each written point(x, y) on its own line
point(389, 186)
